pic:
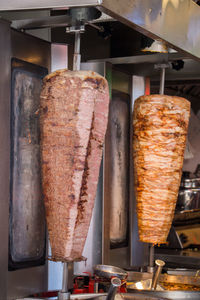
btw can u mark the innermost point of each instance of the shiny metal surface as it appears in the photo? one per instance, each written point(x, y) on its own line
point(138, 296)
point(54, 21)
point(28, 281)
point(190, 183)
point(57, 21)
point(138, 276)
point(180, 279)
point(37, 4)
point(63, 295)
point(120, 82)
point(77, 55)
point(182, 258)
point(151, 258)
point(73, 17)
point(144, 285)
point(110, 271)
point(115, 283)
point(159, 265)
point(5, 51)
point(118, 129)
point(172, 295)
point(89, 296)
point(99, 296)
point(174, 22)
point(149, 295)
point(157, 58)
point(30, 49)
point(188, 199)
point(27, 219)
point(162, 81)
point(66, 276)
point(139, 252)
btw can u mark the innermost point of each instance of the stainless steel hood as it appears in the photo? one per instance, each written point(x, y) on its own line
point(176, 22)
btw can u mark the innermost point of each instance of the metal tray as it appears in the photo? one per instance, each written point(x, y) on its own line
point(172, 295)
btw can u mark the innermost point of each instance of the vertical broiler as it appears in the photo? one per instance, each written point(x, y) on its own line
point(73, 120)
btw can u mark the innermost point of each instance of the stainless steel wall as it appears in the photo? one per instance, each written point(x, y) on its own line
point(139, 251)
point(4, 151)
point(23, 282)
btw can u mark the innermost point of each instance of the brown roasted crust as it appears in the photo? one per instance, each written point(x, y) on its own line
point(160, 127)
point(68, 102)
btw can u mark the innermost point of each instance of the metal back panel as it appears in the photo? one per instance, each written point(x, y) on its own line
point(23, 282)
point(116, 179)
point(139, 251)
point(4, 150)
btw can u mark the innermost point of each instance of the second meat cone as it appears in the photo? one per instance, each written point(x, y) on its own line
point(73, 121)
point(159, 136)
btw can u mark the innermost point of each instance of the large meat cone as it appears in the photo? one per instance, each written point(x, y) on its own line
point(73, 121)
point(160, 128)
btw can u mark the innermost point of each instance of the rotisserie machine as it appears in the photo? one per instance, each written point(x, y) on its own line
point(25, 265)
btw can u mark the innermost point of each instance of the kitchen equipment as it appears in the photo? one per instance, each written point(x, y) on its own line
point(189, 193)
point(27, 240)
point(190, 183)
point(159, 265)
point(110, 271)
point(115, 284)
point(188, 199)
point(172, 295)
point(18, 283)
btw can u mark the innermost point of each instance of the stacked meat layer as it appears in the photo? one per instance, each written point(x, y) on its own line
point(73, 121)
point(160, 127)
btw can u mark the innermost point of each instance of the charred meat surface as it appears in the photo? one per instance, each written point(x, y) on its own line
point(160, 128)
point(73, 122)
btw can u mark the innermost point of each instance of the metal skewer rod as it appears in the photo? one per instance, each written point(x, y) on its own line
point(77, 56)
point(64, 294)
point(162, 81)
point(151, 258)
point(65, 278)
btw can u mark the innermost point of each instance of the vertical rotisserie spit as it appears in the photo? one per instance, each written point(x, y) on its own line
point(159, 136)
point(73, 121)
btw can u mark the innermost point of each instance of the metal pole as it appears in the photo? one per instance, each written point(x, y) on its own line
point(162, 81)
point(77, 56)
point(65, 278)
point(151, 259)
point(160, 264)
point(115, 283)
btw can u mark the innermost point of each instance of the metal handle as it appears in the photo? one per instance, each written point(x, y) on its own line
point(160, 264)
point(115, 283)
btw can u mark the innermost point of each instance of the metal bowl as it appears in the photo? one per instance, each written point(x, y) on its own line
point(110, 271)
